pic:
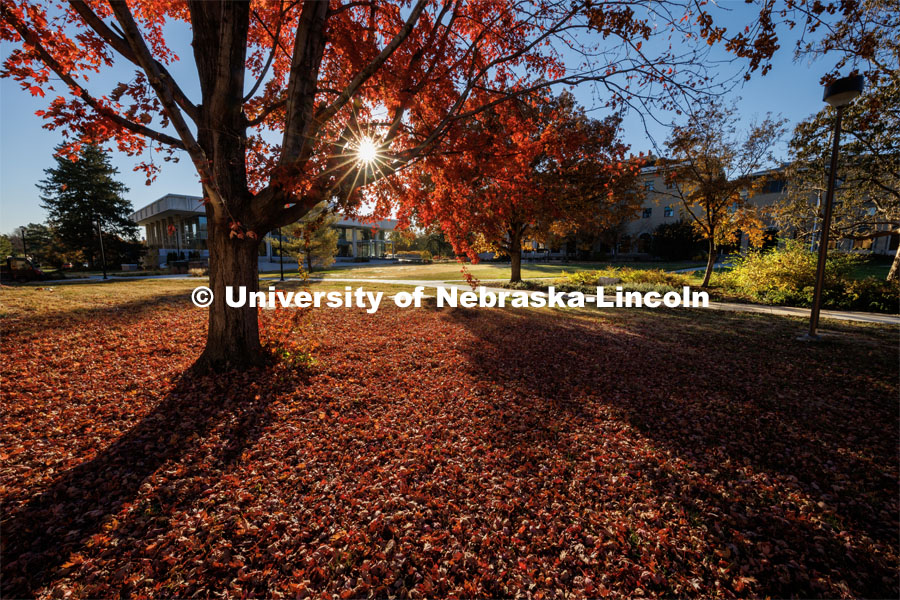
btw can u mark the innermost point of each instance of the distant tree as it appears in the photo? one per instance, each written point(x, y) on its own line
point(867, 199)
point(676, 241)
point(318, 241)
point(527, 169)
point(39, 242)
point(6, 246)
point(413, 237)
point(81, 194)
point(435, 242)
point(313, 240)
point(403, 239)
point(616, 203)
point(710, 172)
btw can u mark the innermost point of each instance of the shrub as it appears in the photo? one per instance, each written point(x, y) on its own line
point(415, 256)
point(787, 276)
point(591, 279)
point(875, 295)
point(198, 272)
point(522, 285)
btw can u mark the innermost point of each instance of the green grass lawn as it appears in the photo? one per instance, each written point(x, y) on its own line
point(874, 268)
point(484, 271)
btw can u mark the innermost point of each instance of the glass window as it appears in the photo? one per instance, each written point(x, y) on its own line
point(648, 212)
point(774, 186)
point(649, 185)
point(668, 211)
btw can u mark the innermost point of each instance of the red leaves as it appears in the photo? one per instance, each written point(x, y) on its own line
point(441, 453)
point(236, 230)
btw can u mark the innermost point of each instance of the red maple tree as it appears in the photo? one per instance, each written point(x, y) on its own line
point(290, 90)
point(531, 169)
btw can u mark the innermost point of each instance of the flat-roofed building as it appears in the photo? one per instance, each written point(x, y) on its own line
point(176, 224)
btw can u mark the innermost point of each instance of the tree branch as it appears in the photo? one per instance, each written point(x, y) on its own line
point(32, 39)
point(329, 111)
point(163, 90)
point(121, 46)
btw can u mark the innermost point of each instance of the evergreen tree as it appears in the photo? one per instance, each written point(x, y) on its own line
point(81, 194)
point(6, 247)
point(313, 240)
point(38, 242)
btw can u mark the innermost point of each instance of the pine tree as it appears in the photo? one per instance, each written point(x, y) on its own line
point(313, 240)
point(81, 194)
point(6, 247)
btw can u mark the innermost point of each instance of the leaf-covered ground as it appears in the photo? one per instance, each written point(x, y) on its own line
point(445, 453)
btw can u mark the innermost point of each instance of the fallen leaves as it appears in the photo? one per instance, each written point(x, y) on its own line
point(449, 453)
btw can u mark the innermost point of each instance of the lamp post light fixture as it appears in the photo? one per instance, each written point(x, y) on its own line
point(839, 95)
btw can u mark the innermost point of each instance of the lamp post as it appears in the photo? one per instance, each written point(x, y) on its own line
point(812, 244)
point(281, 253)
point(839, 94)
point(102, 253)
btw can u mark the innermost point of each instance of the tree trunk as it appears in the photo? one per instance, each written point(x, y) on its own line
point(515, 265)
point(894, 273)
point(711, 261)
point(515, 255)
point(233, 335)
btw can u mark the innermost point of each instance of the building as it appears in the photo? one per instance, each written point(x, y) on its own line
point(176, 224)
point(659, 207)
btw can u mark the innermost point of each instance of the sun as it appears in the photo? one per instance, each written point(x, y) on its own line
point(366, 150)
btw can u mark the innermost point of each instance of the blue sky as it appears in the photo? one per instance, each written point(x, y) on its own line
point(791, 89)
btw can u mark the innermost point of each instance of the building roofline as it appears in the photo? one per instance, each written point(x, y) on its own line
point(183, 204)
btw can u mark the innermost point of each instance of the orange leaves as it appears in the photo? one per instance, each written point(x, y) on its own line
point(481, 453)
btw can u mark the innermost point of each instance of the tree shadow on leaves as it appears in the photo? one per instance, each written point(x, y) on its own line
point(728, 402)
point(203, 424)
